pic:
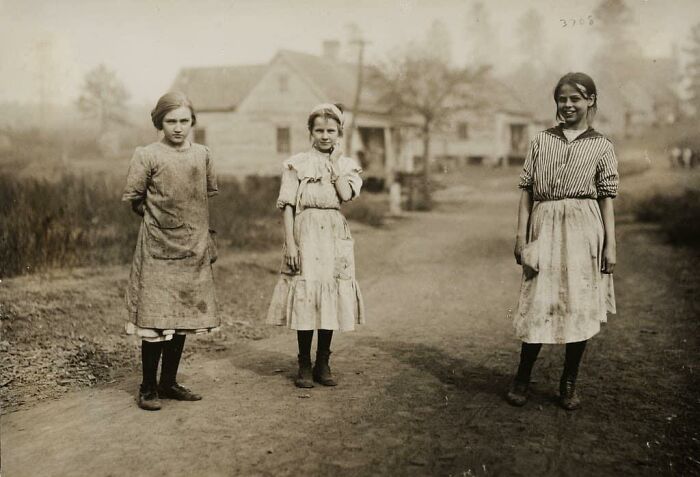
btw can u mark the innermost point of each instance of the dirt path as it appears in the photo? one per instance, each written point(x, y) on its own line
point(421, 385)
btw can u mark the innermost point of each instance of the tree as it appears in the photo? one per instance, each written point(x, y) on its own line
point(428, 89)
point(103, 96)
point(692, 69)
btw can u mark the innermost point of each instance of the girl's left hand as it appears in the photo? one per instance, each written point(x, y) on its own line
point(609, 258)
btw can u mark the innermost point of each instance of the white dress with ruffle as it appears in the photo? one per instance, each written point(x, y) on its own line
point(324, 294)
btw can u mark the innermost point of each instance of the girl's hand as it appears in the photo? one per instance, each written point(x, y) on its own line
point(518, 252)
point(335, 156)
point(609, 258)
point(291, 257)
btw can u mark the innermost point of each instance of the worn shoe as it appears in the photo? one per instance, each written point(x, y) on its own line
point(322, 371)
point(177, 392)
point(148, 398)
point(517, 396)
point(304, 378)
point(568, 398)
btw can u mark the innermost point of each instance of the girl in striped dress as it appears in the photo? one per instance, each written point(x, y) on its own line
point(566, 237)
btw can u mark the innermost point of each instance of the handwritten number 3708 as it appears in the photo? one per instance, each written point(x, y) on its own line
point(565, 22)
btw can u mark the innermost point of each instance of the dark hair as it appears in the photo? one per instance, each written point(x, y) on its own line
point(585, 86)
point(326, 113)
point(169, 102)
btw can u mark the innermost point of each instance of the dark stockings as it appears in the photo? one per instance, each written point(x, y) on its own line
point(528, 356)
point(574, 353)
point(324, 341)
point(150, 355)
point(172, 352)
point(305, 337)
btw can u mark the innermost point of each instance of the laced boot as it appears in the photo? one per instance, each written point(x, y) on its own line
point(304, 377)
point(568, 398)
point(322, 371)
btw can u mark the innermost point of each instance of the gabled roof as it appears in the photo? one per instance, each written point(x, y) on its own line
point(336, 81)
point(218, 88)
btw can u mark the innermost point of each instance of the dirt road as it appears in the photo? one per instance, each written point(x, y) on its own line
point(421, 386)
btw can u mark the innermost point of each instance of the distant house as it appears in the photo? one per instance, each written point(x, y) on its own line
point(253, 117)
point(496, 133)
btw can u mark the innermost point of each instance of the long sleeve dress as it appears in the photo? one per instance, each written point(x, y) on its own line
point(569, 296)
point(171, 287)
point(324, 294)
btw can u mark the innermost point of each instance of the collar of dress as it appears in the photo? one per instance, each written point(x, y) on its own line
point(558, 131)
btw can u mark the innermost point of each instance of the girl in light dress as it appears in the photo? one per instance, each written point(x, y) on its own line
point(566, 237)
point(317, 289)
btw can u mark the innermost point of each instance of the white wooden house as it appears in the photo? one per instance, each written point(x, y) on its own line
point(253, 117)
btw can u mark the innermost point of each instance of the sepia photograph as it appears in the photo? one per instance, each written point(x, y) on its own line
point(451, 238)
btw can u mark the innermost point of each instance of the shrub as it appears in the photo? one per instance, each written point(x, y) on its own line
point(677, 215)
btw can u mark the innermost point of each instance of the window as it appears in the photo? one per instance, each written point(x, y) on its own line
point(283, 83)
point(463, 131)
point(284, 143)
point(200, 135)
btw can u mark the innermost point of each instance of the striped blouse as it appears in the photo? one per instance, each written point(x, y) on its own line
point(585, 168)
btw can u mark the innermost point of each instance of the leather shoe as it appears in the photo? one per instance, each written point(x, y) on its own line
point(148, 399)
point(517, 396)
point(178, 393)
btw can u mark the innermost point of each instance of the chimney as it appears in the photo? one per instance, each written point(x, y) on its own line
point(331, 49)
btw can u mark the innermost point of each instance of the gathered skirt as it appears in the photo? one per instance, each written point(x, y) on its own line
point(324, 293)
point(569, 296)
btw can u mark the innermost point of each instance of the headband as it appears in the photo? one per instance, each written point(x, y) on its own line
point(331, 107)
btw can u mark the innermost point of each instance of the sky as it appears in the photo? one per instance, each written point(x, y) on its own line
point(146, 42)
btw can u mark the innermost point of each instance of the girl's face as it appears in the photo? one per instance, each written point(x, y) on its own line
point(573, 107)
point(324, 133)
point(176, 125)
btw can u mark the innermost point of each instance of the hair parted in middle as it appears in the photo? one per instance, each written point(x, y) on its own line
point(170, 102)
point(328, 111)
point(585, 86)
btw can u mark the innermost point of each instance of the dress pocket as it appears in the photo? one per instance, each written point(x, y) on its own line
point(171, 242)
point(344, 259)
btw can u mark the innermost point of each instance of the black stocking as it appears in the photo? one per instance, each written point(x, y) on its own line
point(574, 353)
point(528, 356)
point(324, 341)
point(172, 352)
point(304, 339)
point(150, 355)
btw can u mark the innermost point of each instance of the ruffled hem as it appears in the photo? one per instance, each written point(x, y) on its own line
point(156, 335)
point(307, 305)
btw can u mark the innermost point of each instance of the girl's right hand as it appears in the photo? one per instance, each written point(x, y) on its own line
point(518, 252)
point(291, 257)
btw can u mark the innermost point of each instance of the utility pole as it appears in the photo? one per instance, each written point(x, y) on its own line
point(360, 43)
